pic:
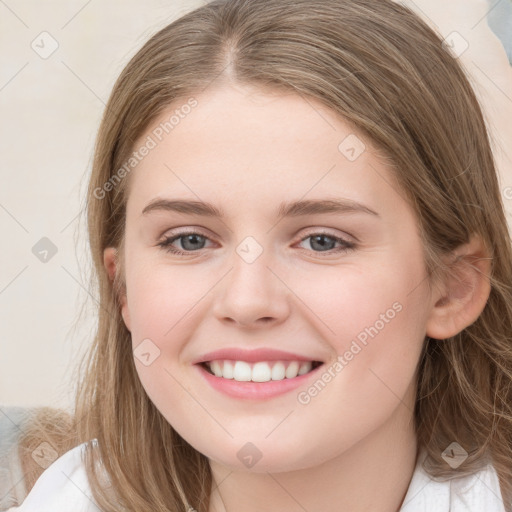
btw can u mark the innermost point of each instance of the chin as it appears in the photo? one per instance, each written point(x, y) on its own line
point(251, 459)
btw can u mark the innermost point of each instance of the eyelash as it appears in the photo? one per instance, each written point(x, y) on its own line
point(166, 244)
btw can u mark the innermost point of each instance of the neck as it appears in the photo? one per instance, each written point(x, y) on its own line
point(374, 474)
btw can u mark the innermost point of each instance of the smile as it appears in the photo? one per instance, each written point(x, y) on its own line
point(262, 371)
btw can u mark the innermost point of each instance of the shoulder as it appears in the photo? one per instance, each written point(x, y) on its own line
point(63, 486)
point(472, 493)
point(480, 491)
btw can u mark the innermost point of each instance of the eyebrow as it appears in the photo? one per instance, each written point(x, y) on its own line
point(286, 209)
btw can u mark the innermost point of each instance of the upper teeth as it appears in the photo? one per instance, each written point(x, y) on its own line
point(259, 372)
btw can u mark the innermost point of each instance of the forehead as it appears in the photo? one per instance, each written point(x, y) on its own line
point(257, 145)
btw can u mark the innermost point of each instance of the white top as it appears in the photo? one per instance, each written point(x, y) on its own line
point(64, 486)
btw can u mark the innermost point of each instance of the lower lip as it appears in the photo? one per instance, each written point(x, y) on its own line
point(255, 390)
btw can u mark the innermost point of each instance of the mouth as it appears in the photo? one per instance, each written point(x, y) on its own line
point(262, 371)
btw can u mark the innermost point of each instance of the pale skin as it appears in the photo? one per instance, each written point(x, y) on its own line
point(353, 446)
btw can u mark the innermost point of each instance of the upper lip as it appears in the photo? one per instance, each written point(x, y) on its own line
point(252, 356)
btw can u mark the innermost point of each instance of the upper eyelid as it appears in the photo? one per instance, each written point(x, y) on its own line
point(185, 232)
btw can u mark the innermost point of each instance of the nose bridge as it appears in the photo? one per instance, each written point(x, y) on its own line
point(250, 267)
point(251, 291)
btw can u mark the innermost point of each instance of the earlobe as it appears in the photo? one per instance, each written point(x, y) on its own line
point(464, 292)
point(110, 263)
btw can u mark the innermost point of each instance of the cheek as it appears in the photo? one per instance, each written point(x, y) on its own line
point(162, 302)
point(347, 301)
point(159, 298)
point(375, 321)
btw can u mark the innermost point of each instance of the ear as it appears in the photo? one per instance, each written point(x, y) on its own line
point(110, 262)
point(463, 293)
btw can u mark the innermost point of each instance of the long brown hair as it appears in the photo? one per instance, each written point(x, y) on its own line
point(383, 70)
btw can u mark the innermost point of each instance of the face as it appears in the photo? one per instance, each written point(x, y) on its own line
point(342, 286)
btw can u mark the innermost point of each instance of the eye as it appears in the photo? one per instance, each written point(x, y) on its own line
point(324, 242)
point(190, 242)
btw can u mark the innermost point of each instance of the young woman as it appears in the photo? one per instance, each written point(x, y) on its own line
point(304, 274)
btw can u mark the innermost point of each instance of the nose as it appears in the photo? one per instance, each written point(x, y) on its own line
point(252, 295)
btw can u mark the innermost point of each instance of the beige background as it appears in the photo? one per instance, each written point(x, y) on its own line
point(50, 110)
